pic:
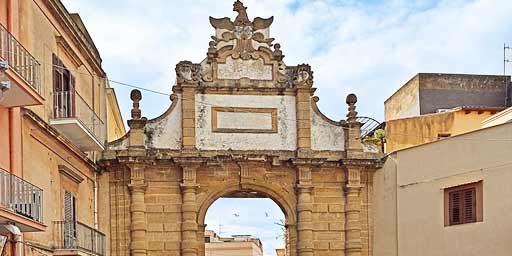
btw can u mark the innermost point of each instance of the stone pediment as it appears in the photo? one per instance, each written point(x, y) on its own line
point(242, 99)
point(242, 54)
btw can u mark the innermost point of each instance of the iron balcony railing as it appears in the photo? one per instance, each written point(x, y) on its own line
point(20, 196)
point(69, 104)
point(78, 236)
point(19, 59)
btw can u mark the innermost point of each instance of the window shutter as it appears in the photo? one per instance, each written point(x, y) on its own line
point(469, 205)
point(69, 220)
point(455, 207)
point(72, 95)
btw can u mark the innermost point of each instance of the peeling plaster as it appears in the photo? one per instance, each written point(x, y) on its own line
point(326, 136)
point(284, 139)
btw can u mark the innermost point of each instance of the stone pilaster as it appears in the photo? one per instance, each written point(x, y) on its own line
point(137, 123)
point(137, 186)
point(353, 143)
point(189, 208)
point(291, 240)
point(187, 78)
point(353, 244)
point(304, 211)
point(189, 117)
point(200, 239)
point(303, 105)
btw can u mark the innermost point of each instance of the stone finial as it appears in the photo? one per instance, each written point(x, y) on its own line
point(136, 96)
point(351, 102)
point(242, 19)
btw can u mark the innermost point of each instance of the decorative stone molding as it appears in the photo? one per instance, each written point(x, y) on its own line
point(71, 174)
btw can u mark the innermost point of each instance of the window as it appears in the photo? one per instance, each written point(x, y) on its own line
point(463, 204)
point(69, 220)
point(63, 90)
point(206, 239)
point(443, 135)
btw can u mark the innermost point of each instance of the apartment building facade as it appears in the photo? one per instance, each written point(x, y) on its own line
point(55, 108)
point(237, 245)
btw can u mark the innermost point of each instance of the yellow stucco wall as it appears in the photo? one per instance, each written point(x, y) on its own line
point(42, 155)
point(407, 132)
point(115, 126)
point(408, 196)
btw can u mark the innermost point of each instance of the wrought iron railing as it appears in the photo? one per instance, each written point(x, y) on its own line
point(19, 59)
point(69, 104)
point(20, 196)
point(78, 236)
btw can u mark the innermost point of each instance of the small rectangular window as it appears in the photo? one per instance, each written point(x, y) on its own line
point(206, 239)
point(463, 204)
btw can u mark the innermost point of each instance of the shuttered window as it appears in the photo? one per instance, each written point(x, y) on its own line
point(464, 204)
point(69, 220)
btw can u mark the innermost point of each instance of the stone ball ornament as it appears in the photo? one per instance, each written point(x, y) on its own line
point(351, 99)
point(135, 95)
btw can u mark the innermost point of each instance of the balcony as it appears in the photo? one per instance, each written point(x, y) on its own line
point(74, 118)
point(20, 203)
point(19, 73)
point(75, 238)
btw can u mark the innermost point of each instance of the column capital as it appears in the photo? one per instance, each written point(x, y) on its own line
point(189, 187)
point(304, 188)
point(137, 187)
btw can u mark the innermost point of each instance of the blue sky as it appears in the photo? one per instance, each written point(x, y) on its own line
point(366, 47)
point(248, 216)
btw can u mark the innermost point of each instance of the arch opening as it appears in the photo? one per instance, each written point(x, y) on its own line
point(250, 221)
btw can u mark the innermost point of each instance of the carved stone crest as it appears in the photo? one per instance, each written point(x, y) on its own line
point(243, 32)
point(303, 76)
point(186, 71)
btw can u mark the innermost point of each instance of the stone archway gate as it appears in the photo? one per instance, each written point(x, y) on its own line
point(241, 123)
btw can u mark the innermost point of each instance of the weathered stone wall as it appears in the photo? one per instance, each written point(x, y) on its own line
point(164, 204)
point(404, 102)
point(445, 91)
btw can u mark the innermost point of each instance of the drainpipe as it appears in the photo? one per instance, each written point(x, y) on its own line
point(9, 15)
point(95, 189)
point(18, 238)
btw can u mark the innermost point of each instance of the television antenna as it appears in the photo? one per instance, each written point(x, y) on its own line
point(506, 60)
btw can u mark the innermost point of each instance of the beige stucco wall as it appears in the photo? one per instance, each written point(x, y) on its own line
point(234, 248)
point(408, 196)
